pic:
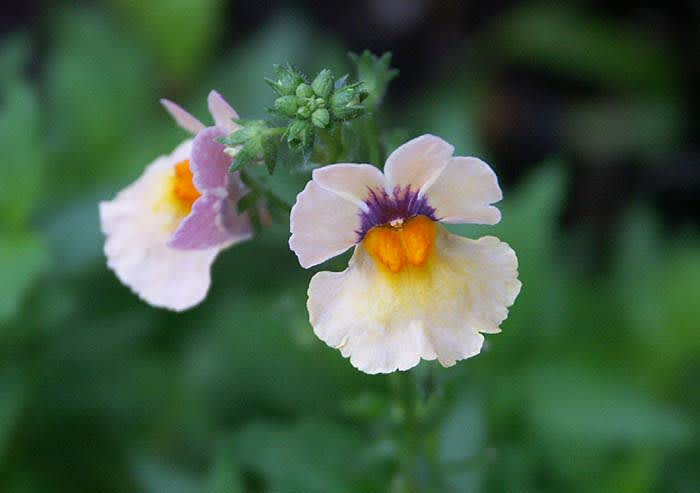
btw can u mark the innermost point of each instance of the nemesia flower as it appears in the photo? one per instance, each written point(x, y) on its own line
point(165, 229)
point(412, 290)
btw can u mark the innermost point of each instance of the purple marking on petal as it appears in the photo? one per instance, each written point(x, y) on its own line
point(402, 203)
point(208, 161)
point(212, 222)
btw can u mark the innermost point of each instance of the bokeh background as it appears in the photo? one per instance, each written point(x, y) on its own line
point(588, 111)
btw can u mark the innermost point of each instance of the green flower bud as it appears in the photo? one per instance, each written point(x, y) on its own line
point(346, 103)
point(304, 112)
point(287, 105)
point(320, 102)
point(323, 83)
point(304, 91)
point(321, 117)
point(300, 134)
point(288, 79)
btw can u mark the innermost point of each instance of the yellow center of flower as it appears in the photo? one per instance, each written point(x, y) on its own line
point(184, 193)
point(402, 243)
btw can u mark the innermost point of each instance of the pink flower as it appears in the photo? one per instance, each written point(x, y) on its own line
point(166, 229)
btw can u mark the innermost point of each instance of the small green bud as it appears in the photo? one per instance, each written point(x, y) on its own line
point(346, 103)
point(321, 117)
point(323, 83)
point(320, 102)
point(287, 105)
point(304, 91)
point(304, 112)
point(288, 78)
point(300, 134)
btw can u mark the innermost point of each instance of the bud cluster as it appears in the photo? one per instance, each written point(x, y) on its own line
point(316, 104)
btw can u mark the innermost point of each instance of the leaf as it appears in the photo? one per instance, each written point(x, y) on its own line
point(23, 148)
point(564, 40)
point(313, 456)
point(23, 258)
point(179, 33)
point(270, 146)
point(100, 106)
point(225, 475)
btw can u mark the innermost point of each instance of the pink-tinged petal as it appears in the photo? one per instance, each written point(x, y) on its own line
point(418, 162)
point(222, 112)
point(211, 223)
point(353, 182)
point(464, 191)
point(182, 117)
point(208, 161)
point(323, 225)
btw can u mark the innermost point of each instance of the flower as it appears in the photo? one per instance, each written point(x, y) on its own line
point(412, 290)
point(164, 230)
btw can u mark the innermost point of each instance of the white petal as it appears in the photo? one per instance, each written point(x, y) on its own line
point(350, 181)
point(182, 117)
point(387, 322)
point(322, 224)
point(463, 191)
point(222, 112)
point(417, 162)
point(138, 230)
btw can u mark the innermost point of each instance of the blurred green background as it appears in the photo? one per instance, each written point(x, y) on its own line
point(589, 114)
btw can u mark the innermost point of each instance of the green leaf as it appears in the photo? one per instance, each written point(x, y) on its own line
point(562, 39)
point(23, 145)
point(225, 474)
point(180, 34)
point(244, 157)
point(314, 456)
point(23, 257)
point(270, 147)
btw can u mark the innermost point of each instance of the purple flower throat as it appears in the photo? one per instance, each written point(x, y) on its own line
point(383, 208)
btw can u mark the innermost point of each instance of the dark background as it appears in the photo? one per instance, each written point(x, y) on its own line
point(589, 113)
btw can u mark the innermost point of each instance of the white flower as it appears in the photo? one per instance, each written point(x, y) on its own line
point(165, 229)
point(412, 290)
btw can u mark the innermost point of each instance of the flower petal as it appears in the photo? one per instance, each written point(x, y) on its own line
point(222, 112)
point(138, 231)
point(211, 223)
point(463, 191)
point(352, 182)
point(417, 162)
point(322, 224)
point(208, 161)
point(182, 117)
point(386, 322)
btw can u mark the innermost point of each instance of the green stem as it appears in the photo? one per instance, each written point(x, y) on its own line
point(372, 139)
point(417, 396)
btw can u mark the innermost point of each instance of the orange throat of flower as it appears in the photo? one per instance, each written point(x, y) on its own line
point(402, 244)
point(184, 192)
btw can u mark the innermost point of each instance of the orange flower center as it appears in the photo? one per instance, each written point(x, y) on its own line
point(402, 243)
point(183, 189)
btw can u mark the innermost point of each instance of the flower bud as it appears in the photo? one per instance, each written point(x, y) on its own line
point(304, 91)
point(304, 112)
point(288, 78)
point(346, 102)
point(323, 83)
point(300, 134)
point(287, 105)
point(321, 117)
